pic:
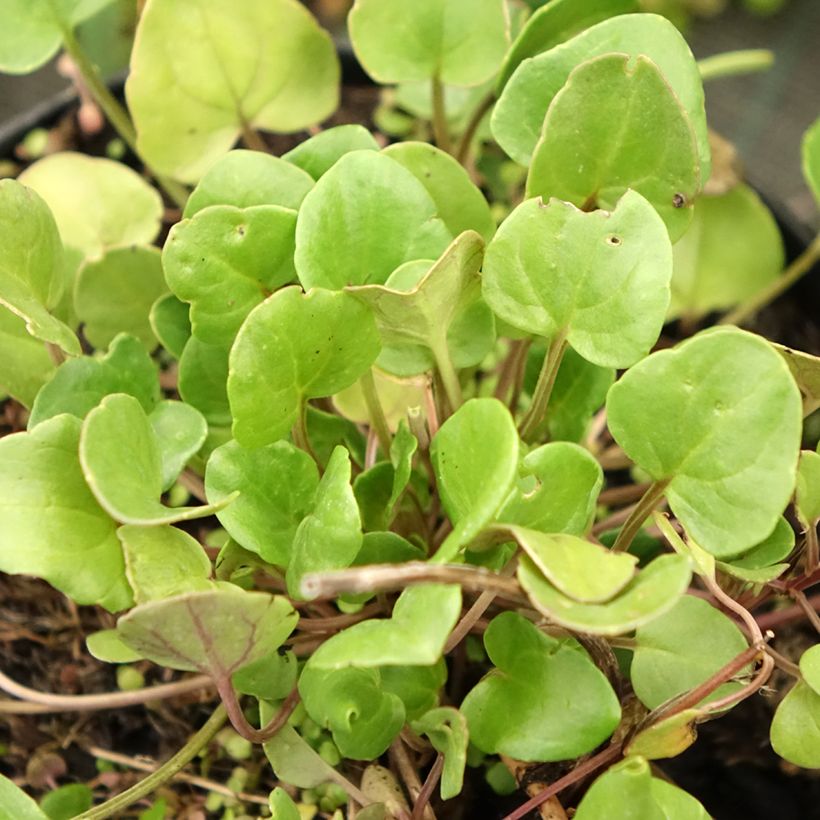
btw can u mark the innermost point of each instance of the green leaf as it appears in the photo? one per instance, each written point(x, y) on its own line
point(810, 667)
point(557, 490)
point(795, 730)
point(294, 347)
point(122, 464)
point(681, 649)
point(363, 718)
point(47, 506)
point(668, 737)
point(163, 561)
point(446, 728)
point(330, 537)
point(203, 378)
point(224, 261)
point(79, 385)
point(806, 371)
point(521, 708)
point(732, 249)
point(245, 179)
point(460, 204)
point(181, 431)
point(583, 158)
point(328, 430)
point(373, 489)
point(581, 570)
point(417, 686)
point(115, 294)
point(653, 591)
point(414, 636)
point(281, 805)
point(25, 365)
point(292, 759)
point(602, 278)
point(475, 457)
point(31, 259)
point(277, 484)
point(107, 645)
point(430, 311)
point(461, 42)
point(343, 222)
point(554, 23)
point(627, 791)
point(811, 158)
point(760, 563)
point(15, 804)
point(171, 324)
point(318, 154)
point(521, 108)
point(402, 449)
point(97, 203)
point(32, 34)
point(215, 632)
point(272, 677)
point(807, 493)
point(201, 74)
point(719, 417)
point(397, 397)
point(67, 801)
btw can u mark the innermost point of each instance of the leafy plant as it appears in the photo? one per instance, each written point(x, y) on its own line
point(382, 380)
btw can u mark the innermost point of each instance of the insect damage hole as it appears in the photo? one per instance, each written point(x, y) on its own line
point(613, 240)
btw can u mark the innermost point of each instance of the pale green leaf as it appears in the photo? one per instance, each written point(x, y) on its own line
point(396, 396)
point(319, 153)
point(15, 804)
point(170, 321)
point(272, 677)
point(25, 364)
point(402, 449)
point(417, 686)
point(807, 494)
point(806, 371)
point(811, 158)
point(180, 431)
point(795, 730)
point(760, 563)
point(202, 380)
point(292, 759)
point(810, 667)
point(107, 646)
point(447, 730)
point(282, 806)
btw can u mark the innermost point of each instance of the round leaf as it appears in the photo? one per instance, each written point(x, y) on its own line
point(719, 417)
point(203, 377)
point(202, 71)
point(319, 153)
point(461, 42)
point(293, 347)
point(616, 124)
point(601, 277)
point(795, 730)
point(521, 708)
point(171, 323)
point(25, 364)
point(810, 667)
point(180, 431)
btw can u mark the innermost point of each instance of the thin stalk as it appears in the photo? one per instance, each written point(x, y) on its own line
point(543, 388)
point(376, 412)
point(803, 602)
point(779, 617)
point(639, 514)
point(426, 792)
point(803, 264)
point(253, 139)
point(300, 434)
point(441, 133)
point(449, 376)
point(240, 722)
point(466, 140)
point(166, 771)
point(734, 63)
point(409, 775)
point(812, 548)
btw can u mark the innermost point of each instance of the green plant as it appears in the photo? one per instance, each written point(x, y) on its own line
point(395, 418)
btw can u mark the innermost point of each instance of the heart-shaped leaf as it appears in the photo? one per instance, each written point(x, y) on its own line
point(446, 728)
point(653, 591)
point(557, 490)
point(74, 186)
point(459, 202)
point(681, 649)
point(245, 179)
point(224, 261)
point(122, 464)
point(521, 108)
point(171, 323)
point(602, 278)
point(343, 222)
point(46, 505)
point(79, 385)
point(475, 457)
point(216, 631)
point(180, 431)
point(294, 347)
point(330, 537)
point(732, 249)
point(277, 484)
point(414, 636)
point(521, 708)
point(31, 260)
point(719, 419)
point(115, 294)
point(811, 158)
point(201, 74)
point(583, 158)
point(203, 380)
point(795, 730)
point(25, 364)
point(461, 42)
point(319, 153)
point(163, 561)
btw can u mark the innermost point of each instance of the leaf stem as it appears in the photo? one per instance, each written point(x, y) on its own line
point(812, 548)
point(543, 388)
point(426, 792)
point(441, 133)
point(300, 433)
point(804, 263)
point(165, 772)
point(476, 117)
point(639, 514)
point(240, 722)
point(734, 63)
point(449, 376)
point(253, 139)
point(803, 602)
point(115, 113)
point(376, 412)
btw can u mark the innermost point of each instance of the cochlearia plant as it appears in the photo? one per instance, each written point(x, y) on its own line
point(395, 443)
